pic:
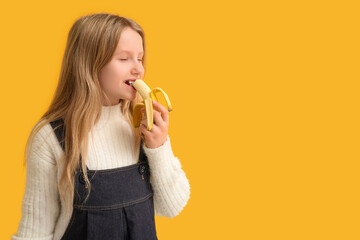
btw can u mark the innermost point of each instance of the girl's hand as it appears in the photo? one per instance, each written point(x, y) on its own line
point(158, 133)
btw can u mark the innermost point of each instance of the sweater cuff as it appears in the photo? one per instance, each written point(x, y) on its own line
point(161, 158)
point(14, 237)
point(161, 148)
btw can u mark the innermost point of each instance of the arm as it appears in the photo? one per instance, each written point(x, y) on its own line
point(168, 180)
point(40, 205)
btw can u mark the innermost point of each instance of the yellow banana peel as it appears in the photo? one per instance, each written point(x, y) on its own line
point(148, 96)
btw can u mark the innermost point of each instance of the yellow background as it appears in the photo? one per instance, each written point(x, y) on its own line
point(266, 108)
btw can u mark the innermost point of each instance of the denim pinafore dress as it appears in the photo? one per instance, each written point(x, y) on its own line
point(120, 204)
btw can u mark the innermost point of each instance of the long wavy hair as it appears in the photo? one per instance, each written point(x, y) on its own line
point(78, 99)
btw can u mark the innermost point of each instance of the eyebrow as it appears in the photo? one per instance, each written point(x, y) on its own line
point(129, 52)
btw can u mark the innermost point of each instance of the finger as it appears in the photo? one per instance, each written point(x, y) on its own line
point(144, 131)
point(144, 122)
point(164, 112)
point(142, 136)
point(158, 120)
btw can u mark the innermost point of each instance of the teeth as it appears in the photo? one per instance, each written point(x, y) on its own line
point(131, 83)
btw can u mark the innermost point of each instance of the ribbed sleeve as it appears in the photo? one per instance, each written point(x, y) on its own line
point(40, 205)
point(170, 184)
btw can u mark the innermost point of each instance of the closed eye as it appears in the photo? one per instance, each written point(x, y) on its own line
point(126, 59)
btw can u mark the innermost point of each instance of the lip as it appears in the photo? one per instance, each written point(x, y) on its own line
point(131, 87)
point(131, 79)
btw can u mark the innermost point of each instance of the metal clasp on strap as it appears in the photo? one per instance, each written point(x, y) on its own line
point(143, 169)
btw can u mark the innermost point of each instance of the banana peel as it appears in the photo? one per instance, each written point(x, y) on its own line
point(148, 96)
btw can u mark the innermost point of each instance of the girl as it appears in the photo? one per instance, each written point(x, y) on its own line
point(90, 174)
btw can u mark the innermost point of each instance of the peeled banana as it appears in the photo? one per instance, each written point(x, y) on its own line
point(148, 96)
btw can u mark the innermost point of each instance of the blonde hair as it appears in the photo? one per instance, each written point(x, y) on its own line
point(78, 98)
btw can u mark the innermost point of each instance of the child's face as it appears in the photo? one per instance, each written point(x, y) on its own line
point(125, 64)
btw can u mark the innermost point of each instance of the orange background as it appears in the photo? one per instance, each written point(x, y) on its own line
point(266, 108)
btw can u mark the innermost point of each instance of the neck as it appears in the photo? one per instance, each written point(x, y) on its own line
point(106, 104)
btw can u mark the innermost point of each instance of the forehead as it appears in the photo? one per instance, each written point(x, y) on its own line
point(130, 52)
point(130, 42)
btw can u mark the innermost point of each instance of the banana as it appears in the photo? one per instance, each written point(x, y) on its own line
point(148, 96)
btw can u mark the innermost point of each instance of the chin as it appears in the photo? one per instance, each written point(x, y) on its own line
point(132, 98)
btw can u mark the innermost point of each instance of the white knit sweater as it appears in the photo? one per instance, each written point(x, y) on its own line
point(44, 216)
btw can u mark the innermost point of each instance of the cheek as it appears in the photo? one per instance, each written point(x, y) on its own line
point(110, 76)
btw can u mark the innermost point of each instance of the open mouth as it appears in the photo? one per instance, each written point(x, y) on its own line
point(129, 82)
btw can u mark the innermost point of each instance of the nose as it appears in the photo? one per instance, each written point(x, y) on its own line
point(137, 69)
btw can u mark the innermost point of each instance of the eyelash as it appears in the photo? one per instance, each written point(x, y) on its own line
point(126, 59)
